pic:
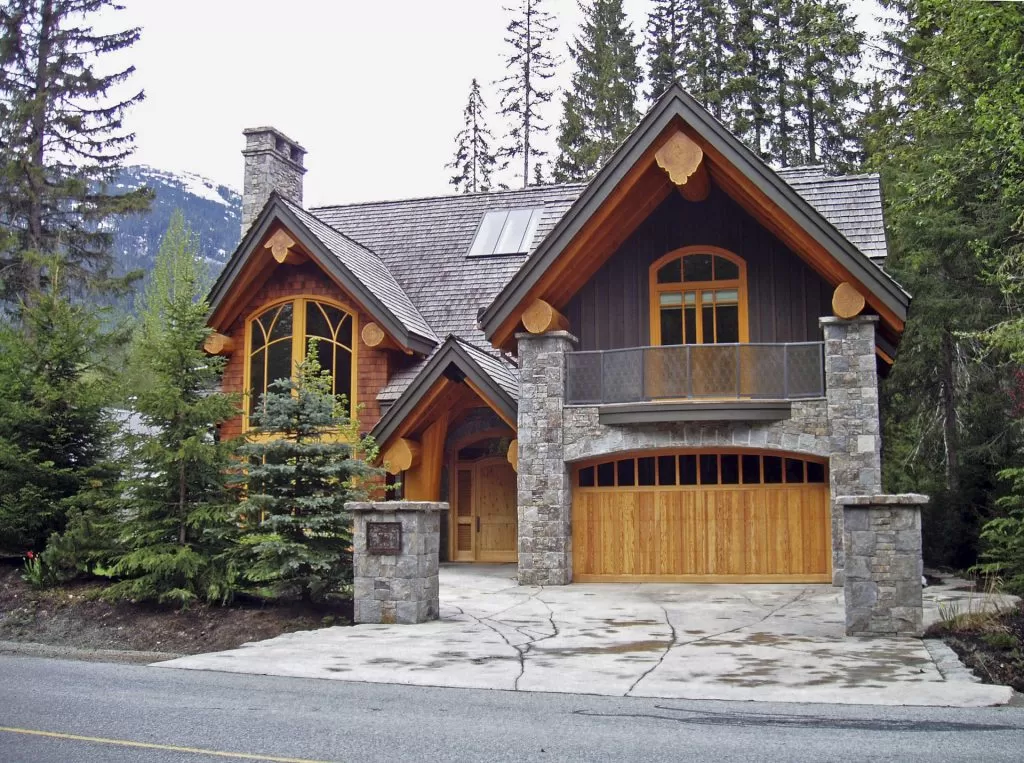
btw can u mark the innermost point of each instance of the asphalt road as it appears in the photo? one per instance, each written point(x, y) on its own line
point(58, 710)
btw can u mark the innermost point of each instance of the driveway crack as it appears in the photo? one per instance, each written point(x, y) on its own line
point(668, 647)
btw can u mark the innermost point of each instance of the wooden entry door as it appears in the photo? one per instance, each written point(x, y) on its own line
point(484, 512)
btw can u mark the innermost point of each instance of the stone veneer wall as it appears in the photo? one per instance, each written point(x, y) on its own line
point(882, 588)
point(842, 427)
point(401, 588)
point(545, 535)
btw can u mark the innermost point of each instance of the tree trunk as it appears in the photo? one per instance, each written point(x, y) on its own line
point(527, 62)
point(950, 439)
point(181, 504)
point(32, 274)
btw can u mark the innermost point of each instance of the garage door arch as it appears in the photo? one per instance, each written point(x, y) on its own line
point(730, 515)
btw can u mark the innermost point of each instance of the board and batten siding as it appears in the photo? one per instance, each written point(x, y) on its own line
point(785, 296)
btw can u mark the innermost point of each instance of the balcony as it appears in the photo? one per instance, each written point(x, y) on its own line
point(753, 382)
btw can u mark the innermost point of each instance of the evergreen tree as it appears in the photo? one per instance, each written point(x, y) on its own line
point(61, 139)
point(54, 434)
point(474, 161)
point(306, 461)
point(179, 514)
point(748, 94)
point(526, 90)
point(600, 109)
point(690, 41)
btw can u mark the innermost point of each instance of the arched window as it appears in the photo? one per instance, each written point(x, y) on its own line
point(278, 336)
point(699, 296)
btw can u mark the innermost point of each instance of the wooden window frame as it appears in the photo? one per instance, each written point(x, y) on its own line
point(299, 340)
point(657, 289)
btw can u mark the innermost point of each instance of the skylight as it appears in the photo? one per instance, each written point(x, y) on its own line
point(506, 231)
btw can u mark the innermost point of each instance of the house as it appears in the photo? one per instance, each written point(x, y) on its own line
point(667, 373)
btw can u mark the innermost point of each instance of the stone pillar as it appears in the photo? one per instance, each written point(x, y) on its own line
point(396, 584)
point(545, 528)
point(273, 162)
point(882, 588)
point(851, 393)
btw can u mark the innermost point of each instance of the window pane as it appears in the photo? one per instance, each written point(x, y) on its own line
point(282, 323)
point(257, 379)
point(726, 296)
point(586, 477)
point(772, 470)
point(691, 325)
point(345, 330)
point(626, 469)
point(343, 373)
point(670, 272)
point(666, 470)
point(730, 469)
point(645, 470)
point(709, 469)
point(325, 354)
point(727, 323)
point(511, 239)
point(726, 269)
point(708, 329)
point(316, 323)
point(606, 474)
point(487, 235)
point(687, 470)
point(531, 229)
point(697, 267)
point(751, 470)
point(279, 361)
point(672, 326)
point(815, 472)
point(670, 299)
point(707, 297)
point(794, 470)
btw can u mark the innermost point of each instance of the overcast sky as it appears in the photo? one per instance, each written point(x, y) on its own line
point(373, 89)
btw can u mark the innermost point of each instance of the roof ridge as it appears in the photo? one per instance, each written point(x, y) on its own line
point(834, 178)
point(347, 237)
point(479, 194)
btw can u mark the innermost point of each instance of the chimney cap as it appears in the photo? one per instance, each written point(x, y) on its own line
point(252, 132)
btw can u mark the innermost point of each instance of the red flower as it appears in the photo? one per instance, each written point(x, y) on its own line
point(31, 555)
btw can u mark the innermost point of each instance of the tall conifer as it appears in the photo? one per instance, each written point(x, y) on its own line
point(62, 138)
point(600, 109)
point(474, 161)
point(527, 88)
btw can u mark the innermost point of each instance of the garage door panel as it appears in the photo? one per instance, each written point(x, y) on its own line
point(692, 532)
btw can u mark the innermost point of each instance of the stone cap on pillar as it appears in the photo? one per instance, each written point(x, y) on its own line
point(883, 499)
point(829, 319)
point(549, 335)
point(395, 506)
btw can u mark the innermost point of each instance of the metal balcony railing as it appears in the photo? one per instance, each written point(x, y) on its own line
point(790, 371)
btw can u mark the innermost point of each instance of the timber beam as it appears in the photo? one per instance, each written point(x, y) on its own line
point(847, 302)
point(373, 336)
point(513, 454)
point(218, 344)
point(540, 318)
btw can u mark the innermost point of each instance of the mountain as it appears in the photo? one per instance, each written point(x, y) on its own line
point(212, 210)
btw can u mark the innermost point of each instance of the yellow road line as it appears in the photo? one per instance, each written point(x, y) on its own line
point(152, 746)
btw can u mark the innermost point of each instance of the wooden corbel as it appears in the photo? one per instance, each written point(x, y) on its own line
point(513, 454)
point(402, 456)
point(683, 162)
point(281, 248)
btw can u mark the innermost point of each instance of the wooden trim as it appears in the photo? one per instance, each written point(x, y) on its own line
point(884, 355)
point(825, 578)
point(655, 290)
point(298, 343)
point(491, 433)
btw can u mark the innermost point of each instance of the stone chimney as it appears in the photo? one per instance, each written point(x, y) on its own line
point(273, 162)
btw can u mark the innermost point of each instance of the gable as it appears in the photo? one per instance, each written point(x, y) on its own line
point(285, 235)
point(632, 184)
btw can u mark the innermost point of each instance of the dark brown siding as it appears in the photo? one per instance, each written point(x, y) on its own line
point(785, 297)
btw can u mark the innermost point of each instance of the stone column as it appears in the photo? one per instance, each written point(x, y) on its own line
point(395, 548)
point(882, 588)
point(545, 527)
point(851, 393)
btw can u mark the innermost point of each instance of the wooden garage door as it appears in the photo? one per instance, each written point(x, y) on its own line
point(702, 517)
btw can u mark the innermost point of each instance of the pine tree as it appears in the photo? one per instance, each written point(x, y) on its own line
point(61, 139)
point(54, 433)
point(600, 109)
point(748, 93)
point(179, 515)
point(526, 90)
point(690, 41)
point(474, 162)
point(306, 461)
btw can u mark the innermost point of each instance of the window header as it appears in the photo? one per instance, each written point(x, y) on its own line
point(506, 231)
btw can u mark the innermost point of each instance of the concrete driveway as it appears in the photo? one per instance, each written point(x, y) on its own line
point(733, 642)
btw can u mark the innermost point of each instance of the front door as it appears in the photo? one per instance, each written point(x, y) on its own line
point(484, 512)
